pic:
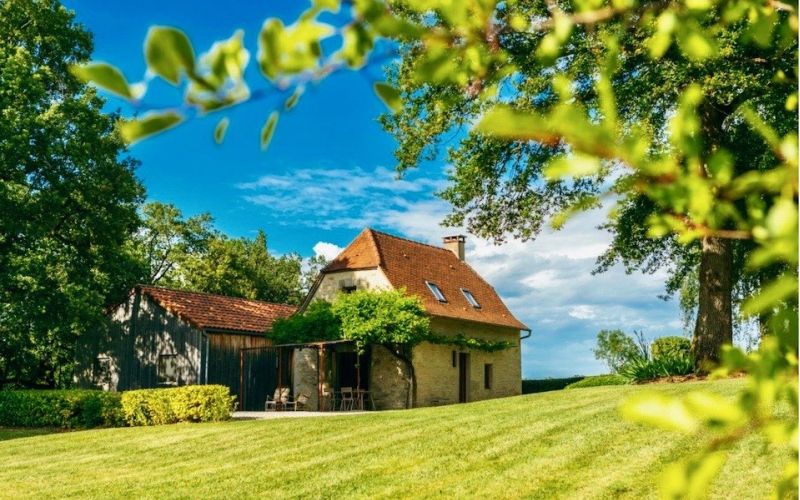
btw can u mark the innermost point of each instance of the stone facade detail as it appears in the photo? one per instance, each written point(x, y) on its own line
point(389, 380)
point(362, 279)
point(305, 375)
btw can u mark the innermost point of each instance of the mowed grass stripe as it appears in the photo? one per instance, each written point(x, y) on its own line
point(564, 444)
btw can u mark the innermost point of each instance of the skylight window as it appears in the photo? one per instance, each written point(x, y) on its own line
point(470, 298)
point(434, 288)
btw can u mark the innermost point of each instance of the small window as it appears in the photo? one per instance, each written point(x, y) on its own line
point(434, 288)
point(347, 286)
point(487, 376)
point(455, 359)
point(470, 298)
point(168, 369)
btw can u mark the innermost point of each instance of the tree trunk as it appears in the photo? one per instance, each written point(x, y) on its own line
point(714, 325)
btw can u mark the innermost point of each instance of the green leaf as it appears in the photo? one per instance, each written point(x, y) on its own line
point(135, 130)
point(715, 410)
point(226, 59)
point(771, 295)
point(690, 478)
point(696, 44)
point(660, 410)
point(268, 130)
point(389, 95)
point(292, 100)
point(105, 76)
point(575, 165)
point(269, 47)
point(506, 122)
point(329, 5)
point(782, 218)
point(662, 39)
point(436, 66)
point(761, 28)
point(168, 52)
point(220, 129)
point(356, 46)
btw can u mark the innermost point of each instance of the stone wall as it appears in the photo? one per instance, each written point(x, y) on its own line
point(389, 380)
point(305, 375)
point(365, 279)
point(437, 378)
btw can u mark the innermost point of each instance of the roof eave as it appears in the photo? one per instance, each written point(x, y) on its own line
point(490, 323)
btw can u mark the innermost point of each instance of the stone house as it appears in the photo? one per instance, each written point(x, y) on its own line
point(458, 301)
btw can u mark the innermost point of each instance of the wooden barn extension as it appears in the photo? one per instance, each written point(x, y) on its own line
point(163, 338)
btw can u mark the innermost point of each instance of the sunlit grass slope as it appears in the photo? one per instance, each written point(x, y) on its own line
point(564, 444)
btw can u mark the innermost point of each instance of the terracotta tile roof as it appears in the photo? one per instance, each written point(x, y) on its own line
point(208, 311)
point(409, 264)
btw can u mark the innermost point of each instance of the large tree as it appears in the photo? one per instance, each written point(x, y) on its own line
point(498, 187)
point(68, 197)
point(189, 253)
point(242, 267)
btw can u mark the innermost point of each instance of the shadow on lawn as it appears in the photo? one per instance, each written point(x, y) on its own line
point(8, 433)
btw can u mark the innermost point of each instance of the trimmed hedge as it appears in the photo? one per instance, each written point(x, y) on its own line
point(547, 384)
point(83, 409)
point(66, 409)
point(671, 346)
point(598, 380)
point(191, 403)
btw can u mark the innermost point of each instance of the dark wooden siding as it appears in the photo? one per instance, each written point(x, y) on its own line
point(140, 332)
point(234, 358)
point(126, 356)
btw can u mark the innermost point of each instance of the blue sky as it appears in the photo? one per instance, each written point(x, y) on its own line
point(329, 172)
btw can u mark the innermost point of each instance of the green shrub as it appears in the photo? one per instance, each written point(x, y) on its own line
point(191, 403)
point(547, 384)
point(671, 346)
point(598, 380)
point(66, 409)
point(667, 365)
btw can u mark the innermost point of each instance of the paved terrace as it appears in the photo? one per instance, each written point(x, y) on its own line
point(267, 415)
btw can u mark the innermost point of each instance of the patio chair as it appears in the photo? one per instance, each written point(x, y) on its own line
point(279, 399)
point(348, 400)
point(300, 402)
point(328, 402)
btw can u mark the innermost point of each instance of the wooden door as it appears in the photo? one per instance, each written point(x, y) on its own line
point(463, 376)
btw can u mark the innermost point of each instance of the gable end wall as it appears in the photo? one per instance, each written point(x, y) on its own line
point(141, 330)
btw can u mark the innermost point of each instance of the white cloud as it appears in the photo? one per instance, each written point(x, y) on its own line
point(327, 250)
point(583, 311)
point(335, 198)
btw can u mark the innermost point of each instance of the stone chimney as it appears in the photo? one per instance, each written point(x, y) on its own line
point(456, 245)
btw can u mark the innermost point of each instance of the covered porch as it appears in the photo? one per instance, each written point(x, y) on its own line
point(333, 376)
point(325, 376)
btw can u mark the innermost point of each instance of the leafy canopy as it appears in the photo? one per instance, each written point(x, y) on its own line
point(386, 317)
point(68, 197)
point(316, 323)
point(190, 254)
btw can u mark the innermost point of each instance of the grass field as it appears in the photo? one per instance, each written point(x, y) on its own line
point(565, 444)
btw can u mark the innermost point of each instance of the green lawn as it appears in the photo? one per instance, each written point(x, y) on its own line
point(565, 444)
